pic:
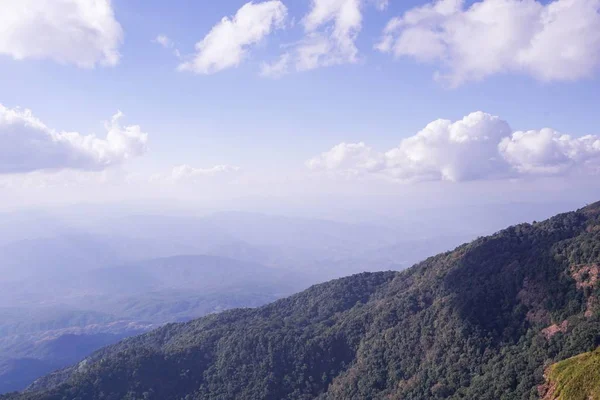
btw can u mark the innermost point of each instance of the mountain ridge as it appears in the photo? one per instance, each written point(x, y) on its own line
point(472, 323)
point(95, 308)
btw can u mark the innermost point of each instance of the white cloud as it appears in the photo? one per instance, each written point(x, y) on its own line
point(29, 145)
point(167, 43)
point(80, 32)
point(554, 41)
point(227, 44)
point(276, 69)
point(346, 17)
point(188, 174)
point(480, 146)
point(381, 4)
point(549, 152)
point(351, 158)
point(452, 151)
point(331, 28)
point(164, 41)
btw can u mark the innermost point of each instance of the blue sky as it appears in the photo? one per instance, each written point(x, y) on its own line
point(237, 117)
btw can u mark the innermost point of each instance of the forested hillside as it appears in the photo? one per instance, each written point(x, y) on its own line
point(481, 322)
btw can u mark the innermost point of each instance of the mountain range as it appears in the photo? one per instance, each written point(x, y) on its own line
point(106, 273)
point(487, 320)
point(58, 320)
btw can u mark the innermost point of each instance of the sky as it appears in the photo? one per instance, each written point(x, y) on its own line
point(289, 101)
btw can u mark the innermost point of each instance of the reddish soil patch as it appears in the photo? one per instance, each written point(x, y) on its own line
point(586, 275)
point(554, 329)
point(548, 389)
point(593, 228)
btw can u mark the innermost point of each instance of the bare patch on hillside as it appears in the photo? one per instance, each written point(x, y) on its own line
point(547, 391)
point(585, 275)
point(554, 329)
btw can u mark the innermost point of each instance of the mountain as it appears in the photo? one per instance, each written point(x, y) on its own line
point(54, 243)
point(18, 373)
point(483, 321)
point(52, 354)
point(120, 290)
point(36, 341)
point(62, 319)
point(59, 255)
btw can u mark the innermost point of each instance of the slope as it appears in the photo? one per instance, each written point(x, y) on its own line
point(577, 378)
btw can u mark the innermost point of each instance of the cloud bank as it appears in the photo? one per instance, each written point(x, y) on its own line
point(28, 145)
point(555, 41)
point(80, 32)
point(480, 146)
point(228, 42)
point(189, 175)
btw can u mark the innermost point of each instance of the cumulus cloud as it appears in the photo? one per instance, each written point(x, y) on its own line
point(188, 174)
point(228, 43)
point(555, 41)
point(331, 28)
point(351, 158)
point(480, 146)
point(80, 32)
point(547, 151)
point(29, 145)
point(338, 45)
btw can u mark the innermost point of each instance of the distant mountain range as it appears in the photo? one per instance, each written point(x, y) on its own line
point(61, 319)
point(484, 321)
point(41, 244)
point(120, 274)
